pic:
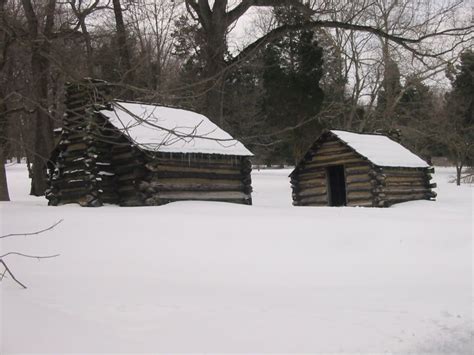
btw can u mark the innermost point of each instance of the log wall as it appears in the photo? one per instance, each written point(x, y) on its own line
point(407, 184)
point(366, 184)
point(178, 177)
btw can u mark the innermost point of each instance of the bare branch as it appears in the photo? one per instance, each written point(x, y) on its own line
point(11, 274)
point(29, 256)
point(31, 233)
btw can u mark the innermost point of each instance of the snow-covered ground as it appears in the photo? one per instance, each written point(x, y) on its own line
point(217, 277)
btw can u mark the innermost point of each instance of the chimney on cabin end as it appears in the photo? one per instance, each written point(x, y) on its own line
point(85, 94)
point(393, 133)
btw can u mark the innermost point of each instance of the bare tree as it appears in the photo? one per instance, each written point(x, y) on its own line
point(152, 24)
point(216, 20)
point(82, 9)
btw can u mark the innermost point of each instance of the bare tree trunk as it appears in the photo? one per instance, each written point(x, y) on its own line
point(40, 65)
point(122, 42)
point(4, 196)
point(4, 43)
point(87, 40)
point(215, 23)
point(215, 51)
point(459, 167)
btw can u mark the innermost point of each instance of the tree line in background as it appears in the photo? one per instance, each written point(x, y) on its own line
point(381, 65)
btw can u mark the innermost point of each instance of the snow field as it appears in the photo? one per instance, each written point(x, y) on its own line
point(216, 277)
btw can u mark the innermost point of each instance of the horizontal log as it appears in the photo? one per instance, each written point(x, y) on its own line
point(357, 172)
point(201, 195)
point(157, 186)
point(359, 165)
point(332, 151)
point(73, 165)
point(310, 204)
point(310, 176)
point(136, 198)
point(359, 178)
point(76, 174)
point(332, 143)
point(236, 182)
point(71, 155)
point(131, 202)
point(333, 162)
point(410, 196)
point(85, 201)
point(197, 169)
point(240, 201)
point(123, 147)
point(305, 170)
point(71, 184)
point(127, 168)
point(406, 172)
point(77, 190)
point(408, 184)
point(400, 199)
point(315, 191)
point(109, 197)
point(198, 158)
point(134, 175)
point(397, 190)
point(331, 158)
point(360, 203)
point(122, 189)
point(126, 156)
point(196, 175)
point(359, 195)
point(313, 200)
point(360, 186)
point(139, 161)
point(405, 179)
point(191, 163)
point(311, 183)
point(76, 147)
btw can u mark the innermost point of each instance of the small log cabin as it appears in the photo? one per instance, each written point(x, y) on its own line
point(136, 154)
point(351, 169)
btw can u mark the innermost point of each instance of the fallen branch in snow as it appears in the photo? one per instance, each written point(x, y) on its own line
point(10, 273)
point(29, 256)
point(7, 270)
point(32, 233)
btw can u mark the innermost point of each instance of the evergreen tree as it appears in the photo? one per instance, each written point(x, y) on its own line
point(459, 131)
point(292, 95)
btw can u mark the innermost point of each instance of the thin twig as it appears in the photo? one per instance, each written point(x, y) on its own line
point(29, 256)
point(32, 233)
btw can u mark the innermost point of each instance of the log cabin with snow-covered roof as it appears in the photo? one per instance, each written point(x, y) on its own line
point(136, 154)
point(351, 169)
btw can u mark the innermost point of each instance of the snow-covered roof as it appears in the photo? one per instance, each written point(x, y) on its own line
point(381, 150)
point(166, 129)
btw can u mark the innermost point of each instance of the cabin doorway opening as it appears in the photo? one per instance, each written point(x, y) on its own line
point(337, 185)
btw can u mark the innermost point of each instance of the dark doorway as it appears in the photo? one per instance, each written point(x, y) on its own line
point(337, 185)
